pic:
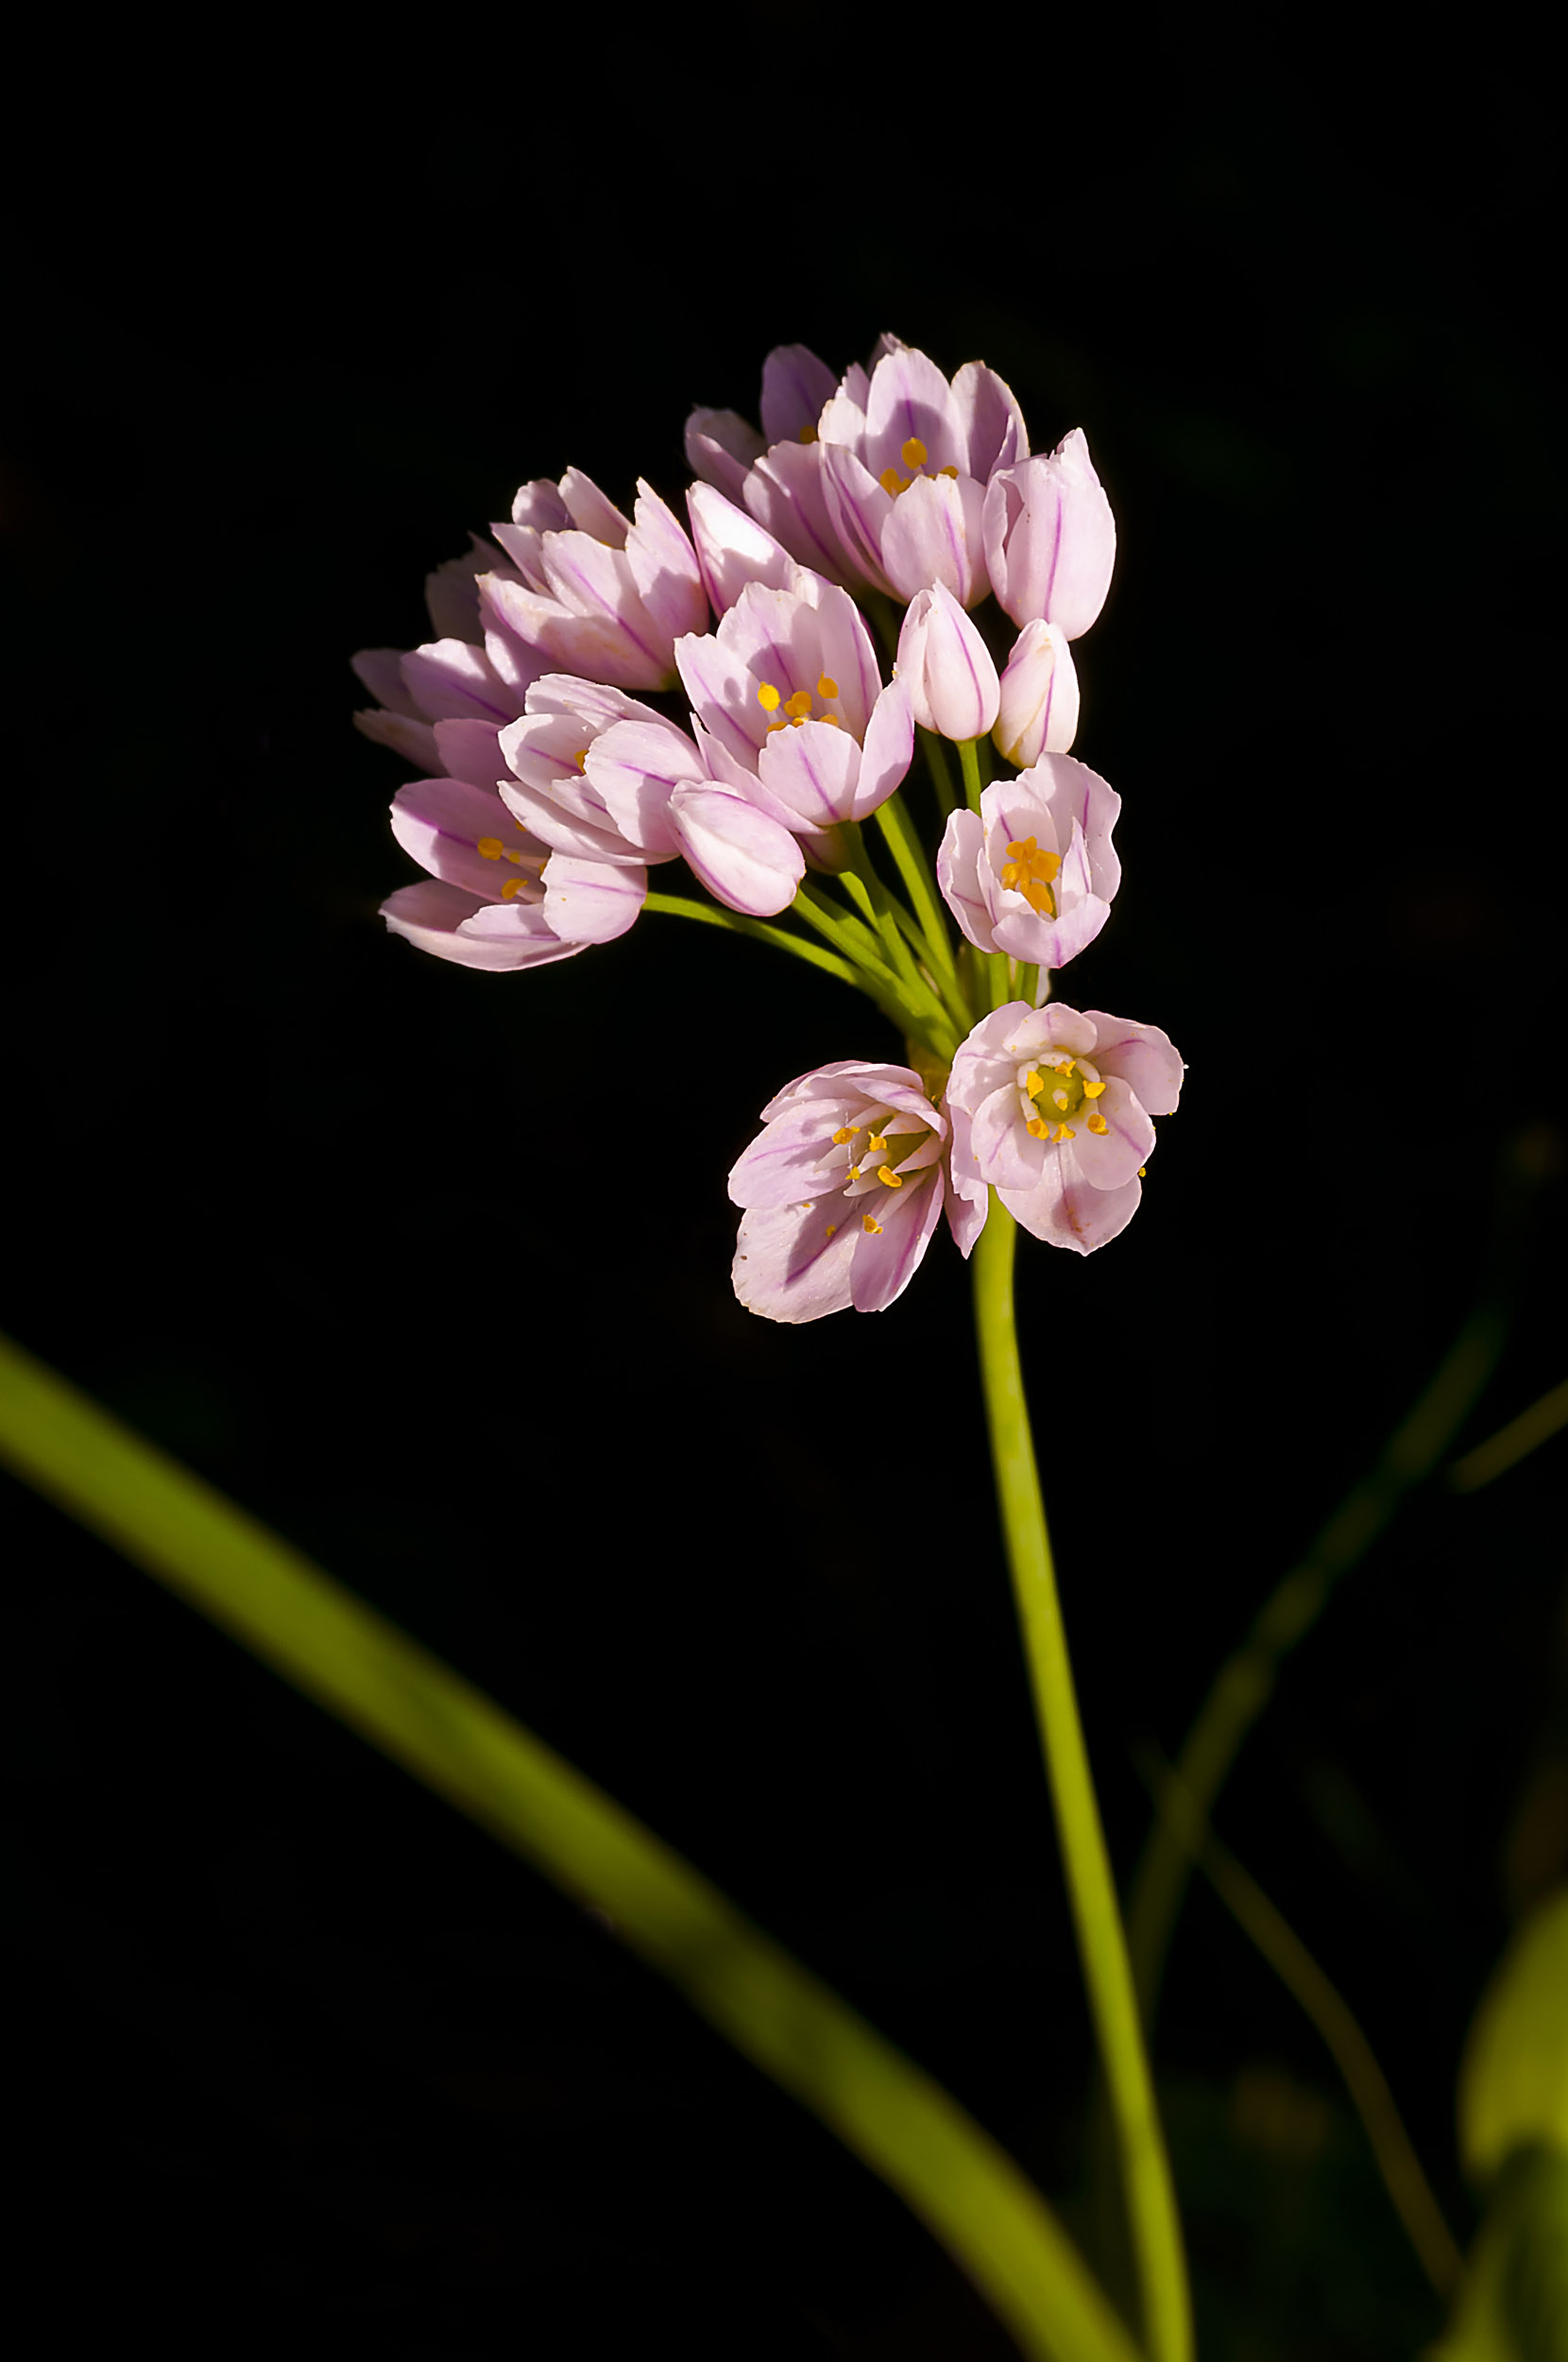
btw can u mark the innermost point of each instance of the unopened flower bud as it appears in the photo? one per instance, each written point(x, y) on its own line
point(952, 682)
point(1038, 714)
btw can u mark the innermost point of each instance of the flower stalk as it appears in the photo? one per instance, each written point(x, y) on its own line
point(1164, 2298)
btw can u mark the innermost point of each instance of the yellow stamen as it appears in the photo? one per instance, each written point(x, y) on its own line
point(949, 471)
point(516, 885)
point(870, 1223)
point(831, 1227)
point(580, 758)
point(489, 847)
point(892, 1180)
point(1143, 1173)
point(878, 1146)
point(768, 697)
point(809, 434)
point(891, 481)
point(1098, 1122)
point(826, 687)
point(913, 452)
point(513, 855)
point(853, 1172)
point(1092, 1090)
point(1034, 1082)
point(845, 1133)
point(1041, 1131)
point(1065, 1132)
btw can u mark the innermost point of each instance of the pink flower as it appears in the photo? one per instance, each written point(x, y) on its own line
point(947, 667)
point(595, 592)
point(1050, 540)
point(1038, 710)
point(1051, 1108)
point(791, 708)
point(1032, 872)
point(905, 460)
point(777, 475)
point(467, 673)
point(495, 898)
point(842, 1191)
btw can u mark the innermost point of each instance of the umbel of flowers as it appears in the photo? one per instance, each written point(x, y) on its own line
point(603, 695)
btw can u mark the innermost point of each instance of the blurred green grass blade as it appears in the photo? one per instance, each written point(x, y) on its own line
point(459, 1741)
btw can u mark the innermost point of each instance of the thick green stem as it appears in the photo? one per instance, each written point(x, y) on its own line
point(974, 786)
point(1145, 2167)
point(894, 819)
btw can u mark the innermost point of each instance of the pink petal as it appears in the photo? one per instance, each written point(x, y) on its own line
point(744, 858)
point(793, 1263)
point(441, 918)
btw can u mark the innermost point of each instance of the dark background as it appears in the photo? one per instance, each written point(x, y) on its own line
point(429, 1269)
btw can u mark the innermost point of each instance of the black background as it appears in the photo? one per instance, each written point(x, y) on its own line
point(429, 1269)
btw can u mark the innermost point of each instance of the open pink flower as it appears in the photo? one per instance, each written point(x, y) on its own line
point(906, 458)
point(1051, 1108)
point(1032, 872)
point(594, 592)
point(793, 710)
point(842, 1191)
point(495, 898)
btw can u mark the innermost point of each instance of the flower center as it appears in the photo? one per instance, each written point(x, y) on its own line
point(491, 848)
point(872, 1152)
point(1030, 872)
point(1053, 1097)
point(912, 453)
point(791, 711)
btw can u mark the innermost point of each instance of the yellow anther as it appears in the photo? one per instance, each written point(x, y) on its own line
point(1063, 1066)
point(516, 885)
point(1034, 1082)
point(831, 1227)
point(799, 705)
point(913, 452)
point(489, 847)
point(515, 856)
point(831, 720)
point(869, 1223)
point(886, 1174)
point(853, 1172)
point(809, 434)
point(952, 471)
point(826, 687)
point(768, 697)
point(1098, 1122)
point(891, 481)
point(845, 1133)
point(1041, 1131)
point(878, 1146)
point(1065, 1132)
point(1143, 1173)
point(1092, 1090)
point(580, 758)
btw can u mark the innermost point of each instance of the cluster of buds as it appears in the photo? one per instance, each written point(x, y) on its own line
point(603, 694)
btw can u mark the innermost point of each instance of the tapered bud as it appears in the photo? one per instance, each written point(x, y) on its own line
point(952, 682)
point(1038, 714)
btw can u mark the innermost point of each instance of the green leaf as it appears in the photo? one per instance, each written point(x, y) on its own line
point(416, 1710)
point(1513, 2081)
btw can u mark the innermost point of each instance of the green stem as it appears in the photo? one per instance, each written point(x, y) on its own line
point(678, 906)
point(940, 775)
point(893, 820)
point(968, 755)
point(910, 1009)
point(1145, 2167)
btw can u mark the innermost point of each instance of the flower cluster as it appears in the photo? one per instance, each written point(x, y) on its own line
point(603, 694)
